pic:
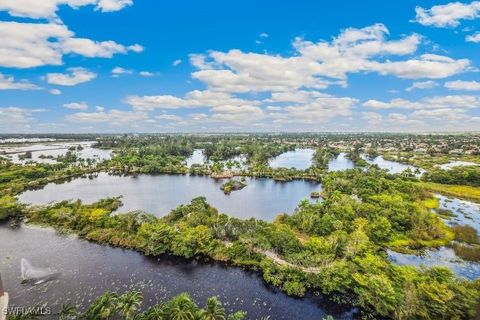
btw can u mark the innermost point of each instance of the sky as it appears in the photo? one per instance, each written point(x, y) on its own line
point(111, 66)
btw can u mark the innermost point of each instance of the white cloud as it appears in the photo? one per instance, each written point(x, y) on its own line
point(27, 45)
point(55, 92)
point(136, 48)
point(473, 38)
point(38, 9)
point(176, 62)
point(437, 102)
point(448, 15)
point(13, 119)
point(319, 65)
point(463, 85)
point(422, 85)
point(430, 66)
point(373, 118)
point(113, 116)
point(91, 49)
point(76, 106)
point(113, 5)
point(146, 74)
point(439, 114)
point(74, 77)
point(169, 117)
point(263, 35)
point(117, 71)
point(9, 83)
point(193, 99)
point(240, 114)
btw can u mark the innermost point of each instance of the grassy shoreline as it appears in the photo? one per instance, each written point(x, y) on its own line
point(459, 191)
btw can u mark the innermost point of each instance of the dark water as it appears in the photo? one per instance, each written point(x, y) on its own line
point(88, 269)
point(261, 198)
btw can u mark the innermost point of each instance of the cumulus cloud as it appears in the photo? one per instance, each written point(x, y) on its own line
point(26, 45)
point(317, 65)
point(176, 62)
point(9, 83)
point(193, 99)
point(430, 66)
point(38, 9)
point(451, 101)
point(473, 38)
point(118, 71)
point(76, 106)
point(113, 117)
point(146, 74)
point(13, 119)
point(448, 15)
point(55, 92)
point(422, 85)
point(73, 77)
point(463, 85)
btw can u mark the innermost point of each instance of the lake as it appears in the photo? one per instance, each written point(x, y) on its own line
point(89, 269)
point(159, 194)
point(391, 166)
point(300, 159)
point(198, 157)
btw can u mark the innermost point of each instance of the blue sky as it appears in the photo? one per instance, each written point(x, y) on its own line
point(196, 66)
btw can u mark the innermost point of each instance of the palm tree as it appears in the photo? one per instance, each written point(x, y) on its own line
point(128, 303)
point(213, 310)
point(155, 312)
point(67, 312)
point(180, 313)
point(182, 308)
point(103, 307)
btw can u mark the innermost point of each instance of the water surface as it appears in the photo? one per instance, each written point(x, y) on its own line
point(300, 159)
point(54, 150)
point(159, 194)
point(341, 162)
point(443, 256)
point(391, 166)
point(88, 269)
point(466, 212)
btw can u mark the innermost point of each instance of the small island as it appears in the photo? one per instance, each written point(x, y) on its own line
point(315, 195)
point(232, 185)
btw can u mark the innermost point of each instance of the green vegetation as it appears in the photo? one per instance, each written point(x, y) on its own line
point(469, 176)
point(333, 248)
point(465, 234)
point(462, 192)
point(467, 252)
point(112, 305)
point(232, 185)
point(315, 194)
point(322, 157)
